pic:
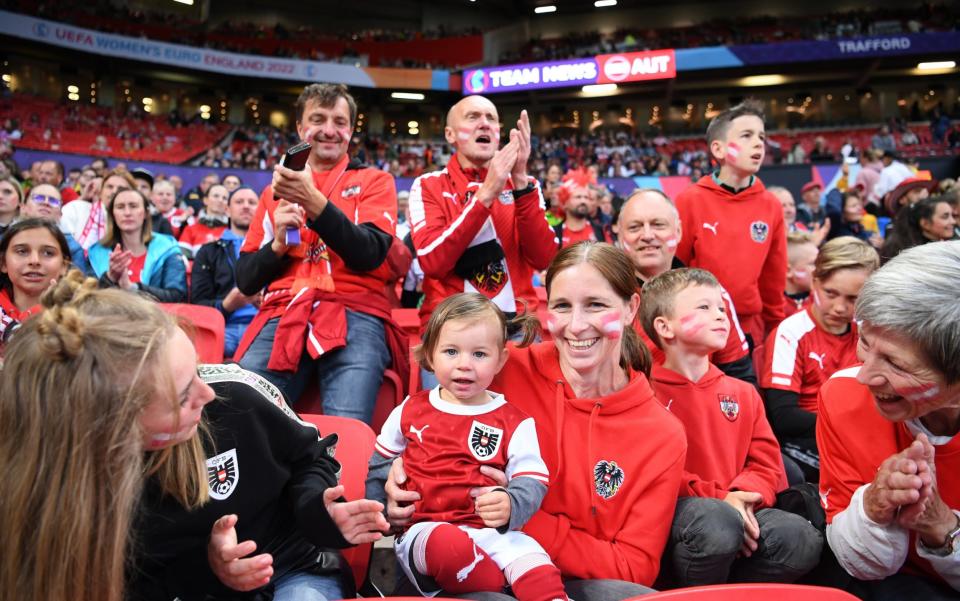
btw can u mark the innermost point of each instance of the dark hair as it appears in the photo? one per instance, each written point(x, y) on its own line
point(618, 270)
point(717, 130)
point(907, 232)
point(326, 94)
point(32, 223)
point(232, 194)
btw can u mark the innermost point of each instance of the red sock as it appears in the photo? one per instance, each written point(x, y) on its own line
point(459, 565)
point(542, 583)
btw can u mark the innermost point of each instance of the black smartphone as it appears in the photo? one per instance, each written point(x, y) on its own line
point(296, 156)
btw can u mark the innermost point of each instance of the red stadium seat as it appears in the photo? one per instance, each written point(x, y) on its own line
point(354, 448)
point(205, 326)
point(750, 592)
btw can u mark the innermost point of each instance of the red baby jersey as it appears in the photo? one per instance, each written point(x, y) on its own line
point(570, 237)
point(444, 444)
point(800, 355)
point(730, 445)
point(854, 439)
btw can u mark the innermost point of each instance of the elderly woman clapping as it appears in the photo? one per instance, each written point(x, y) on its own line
point(887, 432)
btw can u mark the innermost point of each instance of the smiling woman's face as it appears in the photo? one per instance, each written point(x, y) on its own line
point(896, 372)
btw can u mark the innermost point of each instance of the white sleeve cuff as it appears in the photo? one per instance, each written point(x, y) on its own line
point(948, 567)
point(867, 550)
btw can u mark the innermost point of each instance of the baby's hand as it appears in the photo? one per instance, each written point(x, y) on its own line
point(493, 508)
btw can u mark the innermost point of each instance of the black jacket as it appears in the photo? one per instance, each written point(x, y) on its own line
point(274, 473)
point(213, 275)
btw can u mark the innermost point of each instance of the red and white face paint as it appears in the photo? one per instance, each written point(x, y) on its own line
point(699, 321)
point(733, 149)
point(587, 318)
point(474, 128)
point(744, 144)
point(328, 129)
point(899, 377)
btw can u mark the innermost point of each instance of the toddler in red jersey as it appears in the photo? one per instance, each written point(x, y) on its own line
point(456, 542)
point(725, 527)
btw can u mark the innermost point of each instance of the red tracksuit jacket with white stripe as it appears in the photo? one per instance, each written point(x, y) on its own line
point(447, 219)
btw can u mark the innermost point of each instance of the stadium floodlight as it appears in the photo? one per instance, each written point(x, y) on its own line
point(753, 81)
point(549, 8)
point(407, 96)
point(605, 3)
point(599, 89)
point(187, 2)
point(934, 65)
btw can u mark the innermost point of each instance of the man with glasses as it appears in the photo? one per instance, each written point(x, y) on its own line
point(44, 201)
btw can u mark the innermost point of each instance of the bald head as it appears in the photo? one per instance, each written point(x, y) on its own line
point(647, 197)
point(473, 128)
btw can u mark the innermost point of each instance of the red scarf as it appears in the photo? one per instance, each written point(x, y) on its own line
point(314, 270)
point(10, 315)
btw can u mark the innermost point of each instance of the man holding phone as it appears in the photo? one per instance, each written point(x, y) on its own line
point(325, 312)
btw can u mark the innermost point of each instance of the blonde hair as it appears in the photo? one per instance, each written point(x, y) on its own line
point(660, 293)
point(618, 270)
point(796, 240)
point(468, 306)
point(76, 380)
point(845, 252)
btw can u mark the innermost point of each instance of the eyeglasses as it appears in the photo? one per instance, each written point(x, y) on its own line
point(40, 199)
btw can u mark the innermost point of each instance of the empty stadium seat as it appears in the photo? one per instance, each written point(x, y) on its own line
point(353, 451)
point(389, 396)
point(204, 325)
point(750, 592)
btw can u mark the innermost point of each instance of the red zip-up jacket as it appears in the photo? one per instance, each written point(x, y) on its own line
point(740, 239)
point(446, 217)
point(615, 465)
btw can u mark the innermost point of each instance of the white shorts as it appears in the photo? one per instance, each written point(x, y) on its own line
point(503, 548)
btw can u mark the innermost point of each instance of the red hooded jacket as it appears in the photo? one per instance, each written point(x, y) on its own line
point(615, 465)
point(740, 239)
point(730, 445)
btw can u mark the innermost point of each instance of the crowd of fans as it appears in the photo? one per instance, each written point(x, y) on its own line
point(742, 30)
point(300, 42)
point(729, 306)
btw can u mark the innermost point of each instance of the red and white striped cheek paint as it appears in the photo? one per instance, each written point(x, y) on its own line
point(816, 298)
point(689, 324)
point(552, 326)
point(916, 394)
point(612, 325)
point(671, 242)
point(733, 150)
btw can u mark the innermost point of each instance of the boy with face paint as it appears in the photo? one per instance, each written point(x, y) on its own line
point(733, 227)
point(725, 528)
point(801, 256)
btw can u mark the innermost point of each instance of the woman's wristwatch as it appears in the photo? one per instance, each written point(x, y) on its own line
point(949, 543)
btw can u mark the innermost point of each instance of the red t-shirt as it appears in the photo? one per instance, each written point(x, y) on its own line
point(800, 355)
point(136, 267)
point(571, 237)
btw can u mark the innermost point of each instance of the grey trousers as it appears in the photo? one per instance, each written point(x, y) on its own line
point(579, 590)
point(706, 537)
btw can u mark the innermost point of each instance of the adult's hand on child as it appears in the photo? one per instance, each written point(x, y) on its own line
point(743, 501)
point(399, 501)
point(498, 478)
point(493, 508)
point(228, 559)
point(359, 521)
